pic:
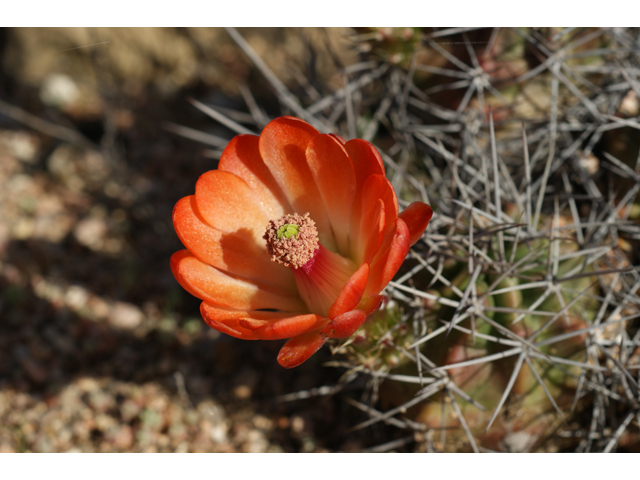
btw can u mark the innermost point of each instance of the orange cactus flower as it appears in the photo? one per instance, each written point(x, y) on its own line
point(293, 236)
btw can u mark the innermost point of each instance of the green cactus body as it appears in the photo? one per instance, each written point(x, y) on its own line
point(519, 307)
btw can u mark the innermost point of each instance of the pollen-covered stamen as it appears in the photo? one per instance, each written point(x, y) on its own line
point(320, 274)
point(292, 240)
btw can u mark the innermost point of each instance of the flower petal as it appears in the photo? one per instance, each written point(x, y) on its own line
point(251, 323)
point(322, 279)
point(215, 287)
point(230, 326)
point(333, 173)
point(232, 252)
point(258, 325)
point(351, 293)
point(366, 160)
point(299, 349)
point(290, 327)
point(338, 138)
point(345, 325)
point(372, 228)
point(283, 144)
point(242, 158)
point(375, 188)
point(227, 203)
point(392, 253)
point(370, 304)
point(417, 217)
point(256, 318)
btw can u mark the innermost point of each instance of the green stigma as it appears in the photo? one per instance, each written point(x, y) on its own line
point(287, 231)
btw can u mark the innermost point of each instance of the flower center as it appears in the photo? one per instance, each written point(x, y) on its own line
point(320, 274)
point(292, 240)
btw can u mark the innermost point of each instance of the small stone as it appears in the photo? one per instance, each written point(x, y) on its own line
point(164, 441)
point(76, 297)
point(44, 445)
point(283, 422)
point(308, 445)
point(28, 428)
point(297, 424)
point(152, 419)
point(65, 435)
point(590, 164)
point(81, 431)
point(218, 433)
point(112, 189)
point(125, 315)
point(263, 423)
point(21, 145)
point(159, 403)
point(243, 392)
point(183, 447)
point(101, 401)
point(256, 442)
point(104, 422)
point(518, 442)
point(59, 90)
point(98, 308)
point(23, 229)
point(630, 106)
point(88, 384)
point(91, 232)
point(240, 432)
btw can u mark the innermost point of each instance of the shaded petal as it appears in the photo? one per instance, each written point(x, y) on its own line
point(417, 217)
point(370, 304)
point(235, 253)
point(299, 349)
point(338, 138)
point(366, 160)
point(333, 173)
point(283, 144)
point(257, 325)
point(351, 293)
point(345, 325)
point(372, 228)
point(242, 158)
point(257, 317)
point(229, 326)
point(321, 280)
point(290, 327)
point(375, 188)
point(251, 323)
point(215, 287)
point(227, 203)
point(392, 253)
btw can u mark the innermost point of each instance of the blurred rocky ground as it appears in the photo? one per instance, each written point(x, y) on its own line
point(100, 349)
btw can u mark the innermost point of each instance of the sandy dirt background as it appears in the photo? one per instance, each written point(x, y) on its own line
point(100, 349)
